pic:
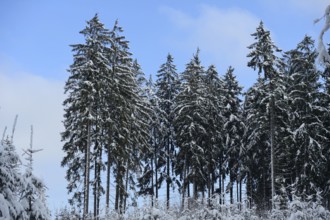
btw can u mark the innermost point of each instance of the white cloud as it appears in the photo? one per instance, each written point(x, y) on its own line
point(314, 8)
point(311, 5)
point(222, 34)
point(38, 102)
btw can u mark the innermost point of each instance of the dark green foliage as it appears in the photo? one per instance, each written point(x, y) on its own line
point(233, 127)
point(267, 104)
point(85, 88)
point(192, 131)
point(167, 89)
point(190, 126)
point(105, 112)
point(307, 129)
point(22, 196)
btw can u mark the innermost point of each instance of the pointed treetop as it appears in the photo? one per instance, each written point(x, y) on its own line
point(13, 131)
point(197, 53)
point(212, 72)
point(262, 53)
point(30, 151)
point(95, 31)
point(116, 26)
point(306, 44)
point(150, 81)
point(95, 18)
point(230, 70)
point(196, 61)
point(169, 58)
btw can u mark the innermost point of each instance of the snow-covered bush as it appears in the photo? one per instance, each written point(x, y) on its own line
point(67, 214)
point(200, 211)
point(309, 209)
point(295, 210)
point(10, 182)
point(21, 196)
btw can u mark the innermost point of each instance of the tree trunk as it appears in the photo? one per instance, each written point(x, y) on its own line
point(237, 193)
point(156, 182)
point(87, 167)
point(220, 189)
point(118, 182)
point(195, 193)
point(223, 188)
point(231, 188)
point(107, 196)
point(188, 193)
point(152, 183)
point(240, 192)
point(98, 184)
point(188, 187)
point(231, 193)
point(121, 198)
point(117, 197)
point(272, 137)
point(183, 185)
point(95, 188)
point(168, 180)
point(209, 189)
point(249, 190)
point(203, 197)
point(209, 176)
point(126, 185)
point(212, 183)
point(265, 202)
point(96, 179)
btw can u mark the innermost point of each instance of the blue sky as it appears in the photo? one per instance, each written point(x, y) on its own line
point(34, 52)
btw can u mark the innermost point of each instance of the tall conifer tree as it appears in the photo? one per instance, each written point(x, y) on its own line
point(213, 96)
point(84, 88)
point(264, 59)
point(190, 128)
point(233, 127)
point(167, 89)
point(307, 128)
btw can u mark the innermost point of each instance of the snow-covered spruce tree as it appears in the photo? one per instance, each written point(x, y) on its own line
point(263, 59)
point(85, 88)
point(139, 75)
point(105, 113)
point(256, 155)
point(307, 128)
point(64, 214)
point(153, 155)
point(325, 102)
point(32, 194)
point(167, 89)
point(324, 59)
point(129, 115)
point(233, 128)
point(255, 152)
point(11, 182)
point(190, 128)
point(214, 153)
point(140, 132)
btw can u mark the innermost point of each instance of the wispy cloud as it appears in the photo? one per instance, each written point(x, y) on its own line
point(302, 7)
point(222, 34)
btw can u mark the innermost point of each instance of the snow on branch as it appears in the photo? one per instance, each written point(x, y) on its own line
point(323, 57)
